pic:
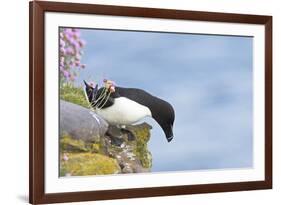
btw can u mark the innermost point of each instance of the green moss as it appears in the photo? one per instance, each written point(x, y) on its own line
point(82, 164)
point(70, 93)
point(78, 158)
point(95, 147)
point(142, 133)
point(68, 144)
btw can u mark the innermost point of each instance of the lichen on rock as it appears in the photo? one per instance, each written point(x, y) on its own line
point(98, 148)
point(82, 164)
point(68, 144)
point(142, 133)
point(129, 147)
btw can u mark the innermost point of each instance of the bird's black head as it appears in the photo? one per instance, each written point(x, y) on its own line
point(99, 97)
point(164, 114)
point(91, 91)
point(167, 125)
point(169, 132)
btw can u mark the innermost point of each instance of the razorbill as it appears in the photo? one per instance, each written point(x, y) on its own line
point(125, 106)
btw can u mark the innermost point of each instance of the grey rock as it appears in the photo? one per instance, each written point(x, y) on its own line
point(81, 123)
point(127, 169)
point(128, 146)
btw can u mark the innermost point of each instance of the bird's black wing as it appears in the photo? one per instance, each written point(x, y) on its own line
point(135, 94)
point(161, 110)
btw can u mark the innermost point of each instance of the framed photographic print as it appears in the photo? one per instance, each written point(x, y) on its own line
point(139, 102)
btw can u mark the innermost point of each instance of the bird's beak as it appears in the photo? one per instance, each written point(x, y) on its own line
point(95, 91)
point(87, 85)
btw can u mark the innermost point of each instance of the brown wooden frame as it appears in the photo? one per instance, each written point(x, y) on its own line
point(36, 106)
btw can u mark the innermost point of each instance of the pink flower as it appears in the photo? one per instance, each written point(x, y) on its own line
point(75, 30)
point(62, 43)
point(68, 36)
point(72, 77)
point(71, 41)
point(82, 43)
point(70, 45)
point(76, 45)
point(69, 51)
point(112, 89)
point(66, 73)
point(77, 63)
point(77, 57)
point(65, 157)
point(68, 31)
point(76, 34)
point(62, 51)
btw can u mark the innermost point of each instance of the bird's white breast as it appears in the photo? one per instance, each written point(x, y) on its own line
point(123, 112)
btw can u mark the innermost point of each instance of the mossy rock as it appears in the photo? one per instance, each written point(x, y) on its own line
point(142, 136)
point(68, 144)
point(81, 123)
point(83, 164)
point(88, 146)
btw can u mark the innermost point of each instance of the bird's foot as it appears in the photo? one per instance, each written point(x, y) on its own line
point(115, 136)
point(130, 135)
